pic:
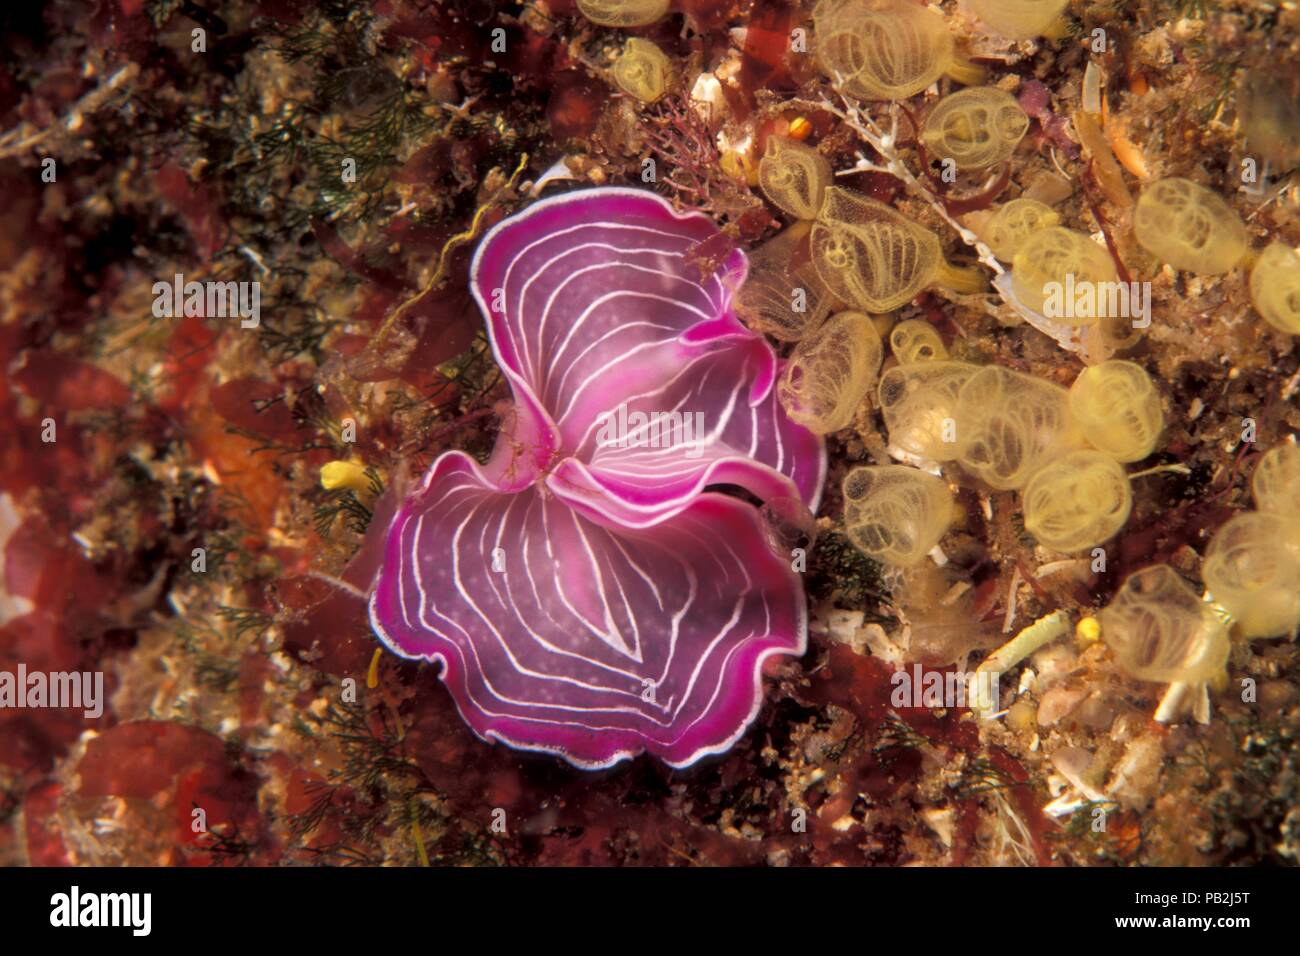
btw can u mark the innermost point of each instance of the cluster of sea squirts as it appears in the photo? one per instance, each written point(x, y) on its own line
point(831, 281)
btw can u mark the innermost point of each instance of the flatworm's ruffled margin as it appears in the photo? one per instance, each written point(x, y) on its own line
point(592, 602)
point(731, 527)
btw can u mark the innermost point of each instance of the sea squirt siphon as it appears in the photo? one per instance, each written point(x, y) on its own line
point(913, 340)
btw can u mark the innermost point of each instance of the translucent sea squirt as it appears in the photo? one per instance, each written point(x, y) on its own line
point(1117, 406)
point(875, 258)
point(1189, 227)
point(886, 49)
point(783, 295)
point(1160, 630)
point(1276, 482)
point(896, 514)
point(1275, 287)
point(1011, 225)
point(623, 13)
point(1077, 501)
point(794, 177)
point(830, 371)
point(1020, 19)
point(1052, 262)
point(1252, 567)
point(1268, 107)
point(1011, 425)
point(642, 70)
point(921, 407)
point(975, 128)
point(583, 592)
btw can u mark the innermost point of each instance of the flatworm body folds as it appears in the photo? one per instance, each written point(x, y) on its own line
point(585, 591)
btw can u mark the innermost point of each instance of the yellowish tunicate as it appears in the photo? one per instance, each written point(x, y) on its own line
point(1160, 630)
point(1013, 223)
point(794, 177)
point(1053, 266)
point(896, 514)
point(1268, 108)
point(1077, 501)
point(1252, 568)
point(875, 258)
point(975, 128)
point(1275, 287)
point(1020, 19)
point(885, 49)
point(623, 13)
point(1276, 482)
point(830, 372)
point(1118, 408)
point(914, 341)
point(783, 295)
point(1011, 425)
point(642, 70)
point(919, 403)
point(1189, 227)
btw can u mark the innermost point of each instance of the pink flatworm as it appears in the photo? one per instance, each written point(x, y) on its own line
point(591, 598)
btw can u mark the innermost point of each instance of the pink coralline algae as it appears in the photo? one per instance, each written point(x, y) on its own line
point(585, 591)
